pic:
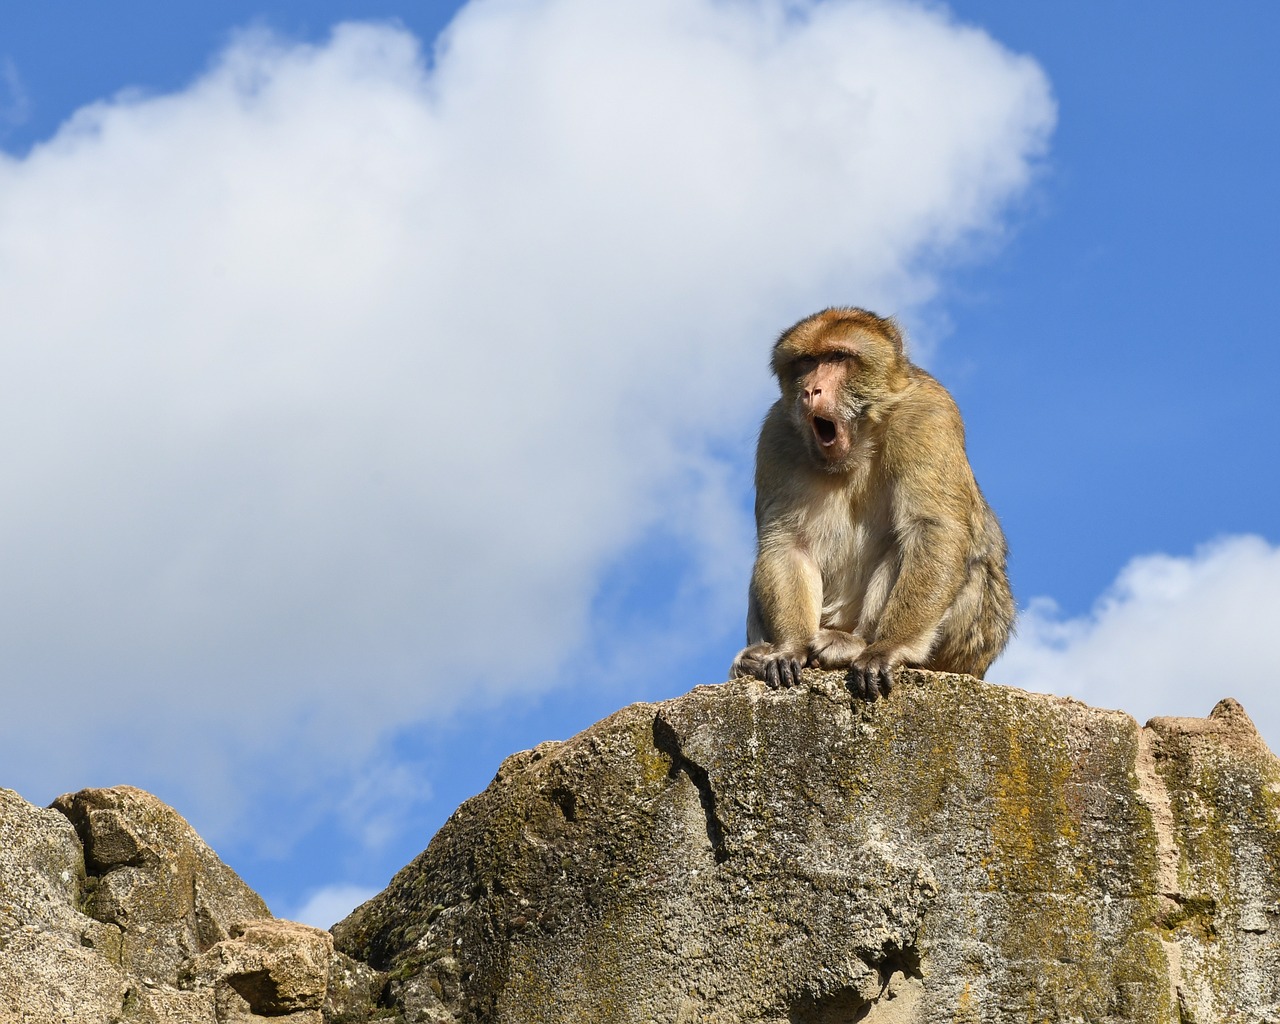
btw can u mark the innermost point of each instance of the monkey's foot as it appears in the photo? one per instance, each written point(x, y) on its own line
point(872, 677)
point(777, 666)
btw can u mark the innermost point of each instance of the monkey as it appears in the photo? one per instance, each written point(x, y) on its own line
point(875, 547)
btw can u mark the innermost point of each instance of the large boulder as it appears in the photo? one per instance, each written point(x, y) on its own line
point(957, 852)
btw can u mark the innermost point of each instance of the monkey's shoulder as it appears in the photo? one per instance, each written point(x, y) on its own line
point(925, 398)
point(924, 428)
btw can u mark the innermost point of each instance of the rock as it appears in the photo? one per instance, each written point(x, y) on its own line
point(355, 992)
point(957, 852)
point(269, 968)
point(152, 877)
point(56, 963)
point(113, 909)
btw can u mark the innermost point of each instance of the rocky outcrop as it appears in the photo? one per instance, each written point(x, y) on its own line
point(113, 909)
point(957, 852)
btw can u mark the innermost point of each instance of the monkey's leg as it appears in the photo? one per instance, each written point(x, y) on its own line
point(784, 607)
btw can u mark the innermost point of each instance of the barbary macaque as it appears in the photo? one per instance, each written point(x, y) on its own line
point(876, 549)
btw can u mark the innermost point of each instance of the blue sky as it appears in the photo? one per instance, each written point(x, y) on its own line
point(375, 404)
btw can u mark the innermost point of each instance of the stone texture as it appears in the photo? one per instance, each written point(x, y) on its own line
point(958, 852)
point(355, 993)
point(153, 878)
point(56, 963)
point(272, 968)
point(113, 909)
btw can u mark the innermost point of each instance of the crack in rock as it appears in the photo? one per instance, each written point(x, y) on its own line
point(667, 740)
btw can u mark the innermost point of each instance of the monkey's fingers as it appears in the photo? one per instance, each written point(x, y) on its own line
point(879, 681)
point(782, 671)
point(870, 682)
point(857, 683)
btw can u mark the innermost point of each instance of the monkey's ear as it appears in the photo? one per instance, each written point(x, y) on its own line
point(779, 357)
point(894, 333)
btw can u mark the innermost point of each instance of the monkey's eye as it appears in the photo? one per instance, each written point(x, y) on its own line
point(840, 357)
point(804, 364)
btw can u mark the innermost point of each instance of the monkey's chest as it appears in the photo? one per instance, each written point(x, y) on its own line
point(852, 549)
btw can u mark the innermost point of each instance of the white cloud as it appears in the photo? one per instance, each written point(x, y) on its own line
point(327, 906)
point(331, 384)
point(1172, 636)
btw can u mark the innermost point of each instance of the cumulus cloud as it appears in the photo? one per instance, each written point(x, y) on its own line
point(332, 384)
point(1172, 636)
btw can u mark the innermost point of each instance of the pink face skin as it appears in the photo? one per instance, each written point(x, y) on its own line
point(819, 407)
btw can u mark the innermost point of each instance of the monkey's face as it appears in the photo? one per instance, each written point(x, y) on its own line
point(837, 370)
point(825, 404)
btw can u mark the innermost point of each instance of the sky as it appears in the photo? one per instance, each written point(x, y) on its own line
point(379, 382)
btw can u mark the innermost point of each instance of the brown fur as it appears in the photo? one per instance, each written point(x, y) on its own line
point(875, 546)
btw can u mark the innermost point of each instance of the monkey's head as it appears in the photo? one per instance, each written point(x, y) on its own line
point(837, 370)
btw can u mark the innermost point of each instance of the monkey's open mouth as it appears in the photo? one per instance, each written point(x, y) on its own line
point(825, 431)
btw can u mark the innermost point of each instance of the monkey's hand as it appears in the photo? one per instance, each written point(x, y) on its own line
point(872, 674)
point(834, 648)
point(777, 666)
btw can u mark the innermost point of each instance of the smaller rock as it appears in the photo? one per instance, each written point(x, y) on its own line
point(174, 937)
point(269, 968)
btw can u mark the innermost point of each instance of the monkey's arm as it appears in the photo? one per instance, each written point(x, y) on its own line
point(931, 499)
point(930, 574)
point(786, 591)
point(785, 605)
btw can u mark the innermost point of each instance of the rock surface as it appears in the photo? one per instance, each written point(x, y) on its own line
point(113, 909)
point(958, 852)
